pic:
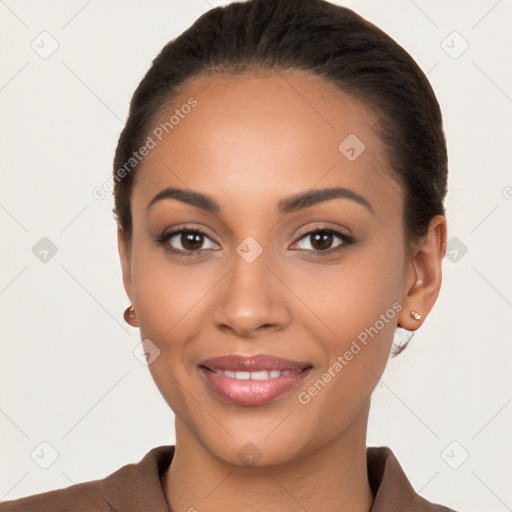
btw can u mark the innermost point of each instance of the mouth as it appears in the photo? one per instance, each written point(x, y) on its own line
point(258, 375)
point(252, 380)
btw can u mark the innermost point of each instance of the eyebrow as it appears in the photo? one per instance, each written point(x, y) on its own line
point(287, 205)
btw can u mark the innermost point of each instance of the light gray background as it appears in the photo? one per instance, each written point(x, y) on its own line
point(68, 375)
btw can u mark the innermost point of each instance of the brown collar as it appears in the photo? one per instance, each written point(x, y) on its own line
point(141, 487)
point(137, 487)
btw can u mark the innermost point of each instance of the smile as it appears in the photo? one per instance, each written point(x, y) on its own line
point(252, 380)
point(259, 375)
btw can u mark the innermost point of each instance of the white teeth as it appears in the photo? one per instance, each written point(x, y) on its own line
point(259, 375)
point(262, 375)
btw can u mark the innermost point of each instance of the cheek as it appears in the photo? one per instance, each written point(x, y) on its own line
point(167, 299)
point(167, 293)
point(340, 301)
point(358, 312)
point(352, 311)
point(171, 300)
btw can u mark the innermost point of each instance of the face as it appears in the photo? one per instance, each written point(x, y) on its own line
point(296, 256)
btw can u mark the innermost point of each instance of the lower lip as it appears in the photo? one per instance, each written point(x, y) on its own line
point(251, 392)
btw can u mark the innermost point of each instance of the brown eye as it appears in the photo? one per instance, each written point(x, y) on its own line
point(323, 241)
point(191, 241)
point(186, 242)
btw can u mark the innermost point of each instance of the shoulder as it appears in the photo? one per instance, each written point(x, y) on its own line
point(80, 497)
point(130, 485)
point(391, 488)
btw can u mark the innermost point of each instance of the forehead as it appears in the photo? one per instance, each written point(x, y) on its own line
point(254, 136)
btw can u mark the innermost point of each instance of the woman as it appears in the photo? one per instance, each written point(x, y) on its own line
point(279, 189)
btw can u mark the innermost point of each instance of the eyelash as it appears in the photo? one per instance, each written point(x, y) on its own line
point(164, 238)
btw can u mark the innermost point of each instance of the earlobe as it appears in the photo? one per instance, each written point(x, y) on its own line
point(130, 316)
point(426, 269)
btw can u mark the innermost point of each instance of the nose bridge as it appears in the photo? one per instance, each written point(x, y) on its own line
point(249, 297)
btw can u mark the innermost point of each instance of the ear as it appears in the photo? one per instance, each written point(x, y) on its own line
point(125, 258)
point(424, 275)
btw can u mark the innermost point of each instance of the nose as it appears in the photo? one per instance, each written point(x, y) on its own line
point(251, 300)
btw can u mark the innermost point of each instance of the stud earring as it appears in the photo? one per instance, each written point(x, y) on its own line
point(129, 313)
point(415, 315)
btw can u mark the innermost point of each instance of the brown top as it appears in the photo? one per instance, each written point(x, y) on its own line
point(137, 488)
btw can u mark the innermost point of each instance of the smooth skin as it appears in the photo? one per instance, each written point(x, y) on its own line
point(251, 141)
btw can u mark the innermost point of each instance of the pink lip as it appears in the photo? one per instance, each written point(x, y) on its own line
point(252, 392)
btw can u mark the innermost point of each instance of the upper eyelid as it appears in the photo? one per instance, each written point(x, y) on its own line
point(323, 228)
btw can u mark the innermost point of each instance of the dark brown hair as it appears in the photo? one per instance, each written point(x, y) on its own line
point(316, 36)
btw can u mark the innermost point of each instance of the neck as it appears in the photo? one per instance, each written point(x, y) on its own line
point(332, 476)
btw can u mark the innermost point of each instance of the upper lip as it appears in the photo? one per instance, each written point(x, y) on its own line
point(254, 363)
